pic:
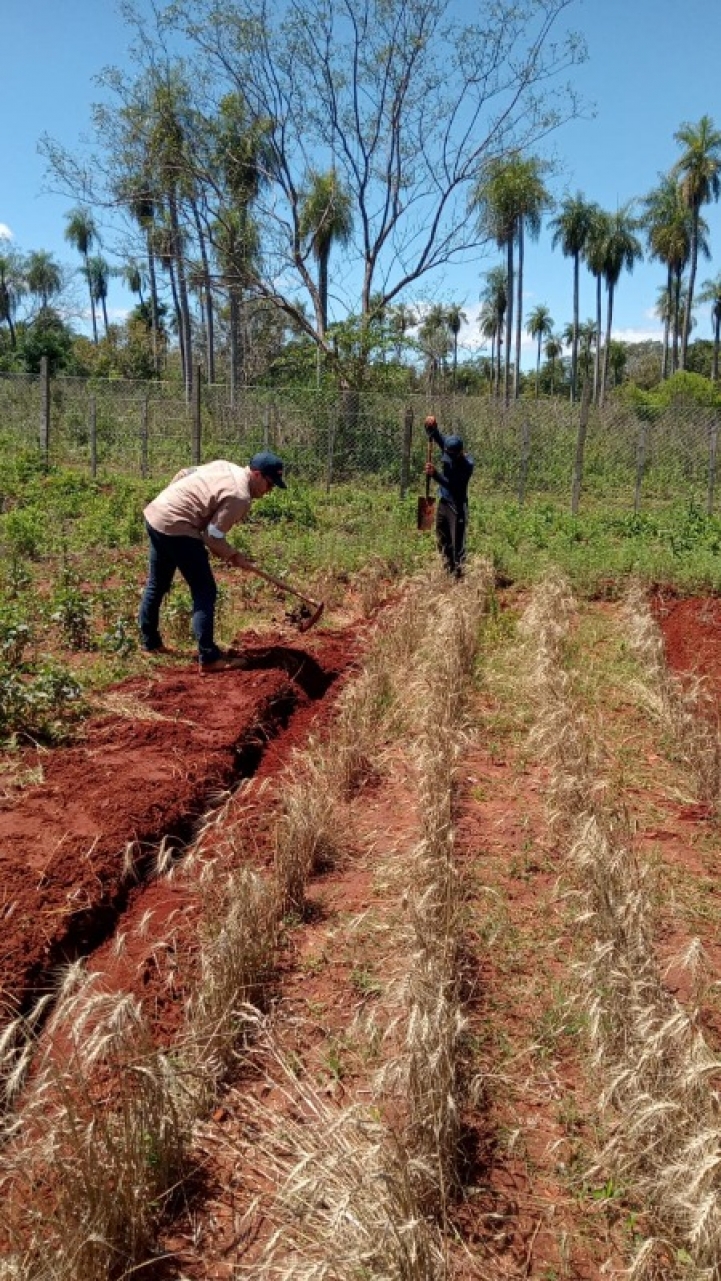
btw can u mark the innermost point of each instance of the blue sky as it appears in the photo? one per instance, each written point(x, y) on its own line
point(652, 64)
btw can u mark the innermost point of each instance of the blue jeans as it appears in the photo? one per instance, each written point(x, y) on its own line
point(189, 556)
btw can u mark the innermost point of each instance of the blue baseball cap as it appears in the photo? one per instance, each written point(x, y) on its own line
point(453, 444)
point(270, 466)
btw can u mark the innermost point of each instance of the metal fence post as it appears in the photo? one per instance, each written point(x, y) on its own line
point(45, 410)
point(406, 447)
point(712, 453)
point(93, 429)
point(580, 448)
point(196, 440)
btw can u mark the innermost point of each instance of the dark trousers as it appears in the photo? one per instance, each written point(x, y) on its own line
point(189, 556)
point(451, 536)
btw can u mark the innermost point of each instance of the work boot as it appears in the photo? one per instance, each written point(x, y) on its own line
point(159, 650)
point(225, 663)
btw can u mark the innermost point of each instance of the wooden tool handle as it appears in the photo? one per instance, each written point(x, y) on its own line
point(429, 459)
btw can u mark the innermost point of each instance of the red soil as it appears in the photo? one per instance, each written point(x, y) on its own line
point(133, 782)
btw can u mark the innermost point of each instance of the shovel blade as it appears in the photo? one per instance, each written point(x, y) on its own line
point(426, 512)
point(306, 623)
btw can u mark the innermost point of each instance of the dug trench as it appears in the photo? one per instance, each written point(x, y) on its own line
point(78, 851)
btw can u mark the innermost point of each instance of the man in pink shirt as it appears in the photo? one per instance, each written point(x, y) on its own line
point(189, 518)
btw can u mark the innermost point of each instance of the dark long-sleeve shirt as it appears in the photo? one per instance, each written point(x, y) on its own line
point(452, 474)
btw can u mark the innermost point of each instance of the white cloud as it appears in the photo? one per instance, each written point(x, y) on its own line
point(637, 335)
point(5, 232)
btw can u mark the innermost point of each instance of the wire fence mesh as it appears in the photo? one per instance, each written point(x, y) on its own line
point(622, 455)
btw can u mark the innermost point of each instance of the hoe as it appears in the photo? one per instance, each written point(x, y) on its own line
point(316, 606)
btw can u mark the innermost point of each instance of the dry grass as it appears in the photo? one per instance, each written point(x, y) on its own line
point(100, 1142)
point(308, 831)
point(658, 1075)
point(346, 1204)
point(685, 711)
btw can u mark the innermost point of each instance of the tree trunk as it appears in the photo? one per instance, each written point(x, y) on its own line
point(538, 362)
point(323, 291)
point(693, 257)
point(178, 318)
point(519, 313)
point(597, 357)
point(667, 325)
point(208, 296)
point(233, 341)
point(182, 296)
point(153, 297)
point(716, 337)
point(676, 317)
point(509, 322)
point(574, 343)
point(607, 347)
point(92, 300)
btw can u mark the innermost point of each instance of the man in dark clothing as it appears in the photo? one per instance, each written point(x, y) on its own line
point(452, 476)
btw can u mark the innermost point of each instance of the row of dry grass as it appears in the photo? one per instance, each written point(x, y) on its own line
point(658, 1076)
point(683, 710)
point(364, 1190)
point(99, 1135)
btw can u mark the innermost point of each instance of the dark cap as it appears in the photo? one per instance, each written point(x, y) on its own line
point(270, 466)
point(453, 444)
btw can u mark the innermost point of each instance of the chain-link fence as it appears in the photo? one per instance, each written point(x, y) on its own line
point(620, 454)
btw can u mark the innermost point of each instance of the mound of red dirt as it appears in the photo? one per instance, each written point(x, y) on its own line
point(692, 632)
point(73, 848)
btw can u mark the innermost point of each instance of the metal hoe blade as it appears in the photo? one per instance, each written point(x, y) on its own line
point(426, 513)
point(306, 623)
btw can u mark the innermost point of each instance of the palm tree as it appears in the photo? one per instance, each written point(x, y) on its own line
point(587, 340)
point(43, 276)
point(711, 292)
point(539, 326)
point(491, 200)
point(698, 170)
point(623, 249)
point(510, 197)
point(134, 277)
point(531, 199)
point(455, 318)
point(99, 272)
point(553, 350)
point(668, 223)
point(12, 285)
point(594, 253)
point(245, 158)
point(571, 229)
point(82, 234)
point(617, 358)
point(495, 301)
point(326, 219)
point(142, 207)
point(434, 340)
point(401, 320)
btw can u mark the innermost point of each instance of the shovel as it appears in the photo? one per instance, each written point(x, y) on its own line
point(317, 606)
point(427, 505)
